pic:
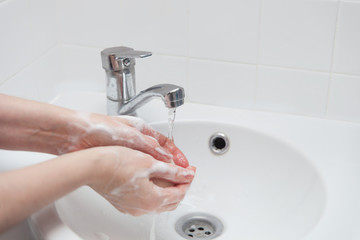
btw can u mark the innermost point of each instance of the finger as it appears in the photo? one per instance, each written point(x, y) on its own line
point(178, 157)
point(156, 151)
point(167, 208)
point(167, 152)
point(172, 173)
point(143, 127)
point(149, 131)
point(161, 152)
point(147, 136)
point(168, 146)
point(174, 194)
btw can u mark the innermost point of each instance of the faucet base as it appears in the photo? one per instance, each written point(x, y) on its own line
point(114, 106)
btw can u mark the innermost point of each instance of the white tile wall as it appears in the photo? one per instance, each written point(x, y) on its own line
point(82, 69)
point(347, 55)
point(298, 33)
point(89, 23)
point(223, 84)
point(43, 26)
point(224, 30)
point(158, 25)
point(159, 69)
point(15, 27)
point(27, 31)
point(344, 101)
point(292, 91)
point(38, 81)
point(278, 55)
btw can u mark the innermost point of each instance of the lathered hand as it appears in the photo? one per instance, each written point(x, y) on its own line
point(127, 183)
point(99, 130)
point(39, 127)
point(121, 175)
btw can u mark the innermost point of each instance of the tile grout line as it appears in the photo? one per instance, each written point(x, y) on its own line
point(187, 76)
point(32, 62)
point(331, 71)
point(258, 55)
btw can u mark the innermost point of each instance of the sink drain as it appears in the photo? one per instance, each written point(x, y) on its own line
point(199, 226)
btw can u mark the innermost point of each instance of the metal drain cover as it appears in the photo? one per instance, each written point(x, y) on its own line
point(199, 226)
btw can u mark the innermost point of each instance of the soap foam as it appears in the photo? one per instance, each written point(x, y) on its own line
point(163, 152)
point(126, 135)
point(136, 122)
point(132, 186)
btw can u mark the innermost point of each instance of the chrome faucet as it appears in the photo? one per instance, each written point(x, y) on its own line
point(119, 66)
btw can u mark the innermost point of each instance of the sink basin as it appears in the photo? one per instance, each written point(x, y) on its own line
point(261, 188)
point(283, 177)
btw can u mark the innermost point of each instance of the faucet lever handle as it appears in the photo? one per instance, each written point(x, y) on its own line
point(133, 54)
point(113, 58)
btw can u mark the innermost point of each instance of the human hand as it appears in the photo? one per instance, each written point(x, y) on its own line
point(127, 180)
point(39, 127)
point(92, 130)
point(125, 177)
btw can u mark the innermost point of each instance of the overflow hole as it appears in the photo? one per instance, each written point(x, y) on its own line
point(219, 143)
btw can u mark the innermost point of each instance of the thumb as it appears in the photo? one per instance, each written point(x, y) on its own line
point(172, 173)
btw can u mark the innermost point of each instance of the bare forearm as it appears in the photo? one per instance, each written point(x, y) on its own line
point(24, 191)
point(32, 126)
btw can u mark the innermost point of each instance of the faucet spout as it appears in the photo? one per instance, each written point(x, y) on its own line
point(172, 95)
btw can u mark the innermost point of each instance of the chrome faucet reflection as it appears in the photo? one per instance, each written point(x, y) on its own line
point(119, 66)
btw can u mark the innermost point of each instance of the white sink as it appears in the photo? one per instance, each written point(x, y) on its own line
point(260, 189)
point(283, 177)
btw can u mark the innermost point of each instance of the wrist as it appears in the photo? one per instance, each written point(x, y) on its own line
point(102, 162)
point(84, 130)
point(73, 132)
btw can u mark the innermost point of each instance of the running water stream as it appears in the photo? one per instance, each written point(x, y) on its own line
point(171, 119)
